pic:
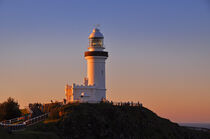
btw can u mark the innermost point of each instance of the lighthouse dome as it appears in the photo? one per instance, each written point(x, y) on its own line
point(96, 34)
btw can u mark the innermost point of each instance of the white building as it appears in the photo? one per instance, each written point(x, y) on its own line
point(94, 86)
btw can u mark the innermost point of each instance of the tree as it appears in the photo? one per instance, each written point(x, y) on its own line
point(9, 109)
point(36, 109)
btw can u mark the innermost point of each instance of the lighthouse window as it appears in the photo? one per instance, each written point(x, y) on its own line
point(102, 72)
point(96, 42)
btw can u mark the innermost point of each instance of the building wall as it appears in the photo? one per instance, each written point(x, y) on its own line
point(69, 93)
point(89, 93)
point(96, 71)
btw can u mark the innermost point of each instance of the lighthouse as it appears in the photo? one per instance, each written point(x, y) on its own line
point(96, 57)
point(94, 87)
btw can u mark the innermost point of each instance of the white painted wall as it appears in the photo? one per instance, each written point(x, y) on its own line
point(96, 71)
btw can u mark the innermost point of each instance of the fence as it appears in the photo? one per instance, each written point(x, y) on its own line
point(126, 104)
point(18, 119)
point(13, 127)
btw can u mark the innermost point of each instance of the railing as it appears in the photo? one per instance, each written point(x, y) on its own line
point(13, 127)
point(18, 119)
point(36, 119)
point(134, 104)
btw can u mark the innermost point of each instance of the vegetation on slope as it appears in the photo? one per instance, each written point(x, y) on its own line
point(107, 121)
point(4, 134)
point(9, 109)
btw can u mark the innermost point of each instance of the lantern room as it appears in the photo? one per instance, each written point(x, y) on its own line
point(96, 39)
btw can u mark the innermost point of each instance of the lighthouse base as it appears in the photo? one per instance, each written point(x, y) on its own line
point(81, 93)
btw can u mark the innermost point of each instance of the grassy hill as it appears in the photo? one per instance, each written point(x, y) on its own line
point(105, 121)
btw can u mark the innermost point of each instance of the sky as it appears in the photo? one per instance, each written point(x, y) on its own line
point(159, 52)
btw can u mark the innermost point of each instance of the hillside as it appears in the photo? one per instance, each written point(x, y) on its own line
point(4, 134)
point(93, 121)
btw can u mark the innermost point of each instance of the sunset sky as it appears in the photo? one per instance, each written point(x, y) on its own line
point(159, 52)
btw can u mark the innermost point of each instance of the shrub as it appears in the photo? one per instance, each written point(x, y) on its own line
point(9, 109)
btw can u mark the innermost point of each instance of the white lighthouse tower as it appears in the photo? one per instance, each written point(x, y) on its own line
point(94, 87)
point(96, 62)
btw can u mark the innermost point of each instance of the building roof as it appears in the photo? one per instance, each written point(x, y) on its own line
point(96, 34)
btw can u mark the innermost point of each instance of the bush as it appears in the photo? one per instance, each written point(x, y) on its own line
point(55, 111)
point(9, 109)
point(36, 108)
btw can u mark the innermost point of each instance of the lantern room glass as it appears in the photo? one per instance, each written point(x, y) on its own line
point(96, 42)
